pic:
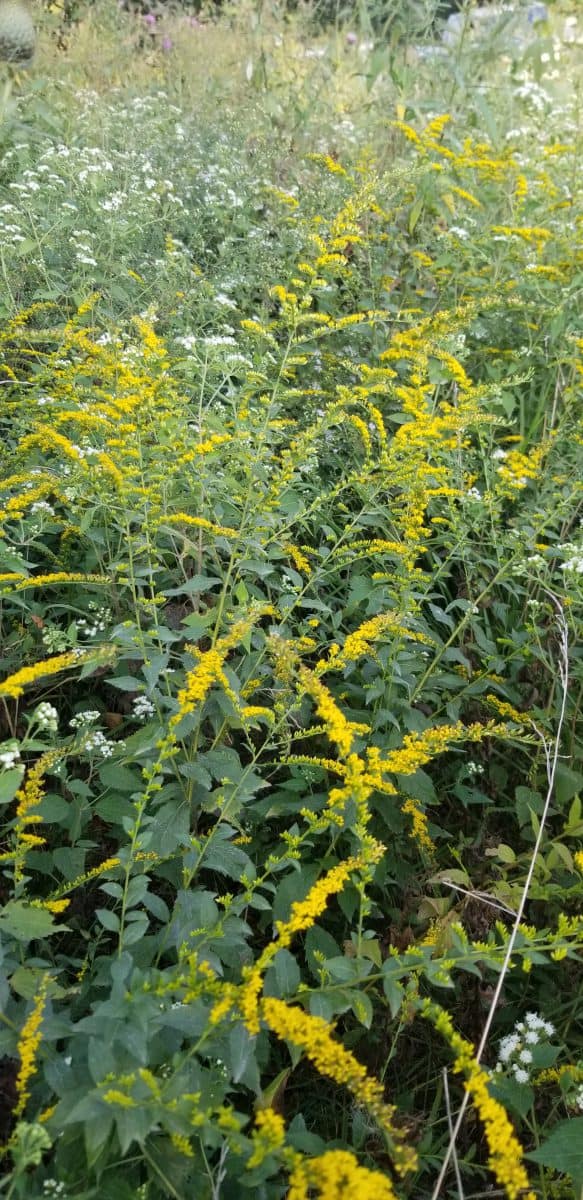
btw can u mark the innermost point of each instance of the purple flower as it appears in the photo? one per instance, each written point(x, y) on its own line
point(150, 19)
point(167, 43)
point(351, 38)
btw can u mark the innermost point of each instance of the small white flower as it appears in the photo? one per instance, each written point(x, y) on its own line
point(531, 1037)
point(97, 743)
point(533, 1020)
point(42, 507)
point(9, 755)
point(525, 1056)
point(84, 718)
point(143, 708)
point(508, 1045)
point(520, 1075)
point(47, 717)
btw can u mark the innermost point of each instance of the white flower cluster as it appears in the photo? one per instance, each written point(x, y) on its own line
point(143, 708)
point(514, 1052)
point(55, 640)
point(46, 717)
point(9, 755)
point(97, 743)
point(51, 1187)
point(575, 560)
point(41, 506)
point(84, 718)
point(98, 625)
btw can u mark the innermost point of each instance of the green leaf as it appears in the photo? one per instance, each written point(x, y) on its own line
point(567, 784)
point(108, 919)
point(70, 861)
point(10, 782)
point(226, 859)
point(121, 779)
point(394, 991)
point(519, 1097)
point(287, 973)
point(295, 886)
point(54, 808)
point(100, 1059)
point(414, 215)
point(25, 923)
point(135, 932)
point(319, 943)
point(362, 1008)
point(563, 1150)
point(25, 982)
point(505, 853)
point(240, 1049)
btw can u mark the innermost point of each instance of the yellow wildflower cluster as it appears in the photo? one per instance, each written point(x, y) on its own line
point(182, 1144)
point(340, 731)
point(15, 684)
point(506, 1155)
point(312, 1035)
point(267, 1136)
point(181, 518)
point(517, 470)
point(507, 710)
point(363, 639)
point(419, 748)
point(335, 1175)
point(56, 577)
point(209, 669)
point(28, 798)
point(28, 1045)
point(526, 233)
point(303, 915)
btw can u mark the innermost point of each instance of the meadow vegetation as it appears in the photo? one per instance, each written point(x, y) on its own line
point(291, 564)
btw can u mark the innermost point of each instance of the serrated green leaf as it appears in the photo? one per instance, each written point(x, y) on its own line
point(26, 923)
point(563, 1150)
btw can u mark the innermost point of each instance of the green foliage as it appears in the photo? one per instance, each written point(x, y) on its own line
point(290, 563)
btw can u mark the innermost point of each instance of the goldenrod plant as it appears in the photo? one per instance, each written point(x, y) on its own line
point(290, 598)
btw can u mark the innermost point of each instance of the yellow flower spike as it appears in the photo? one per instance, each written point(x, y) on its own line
point(15, 684)
point(56, 577)
point(304, 913)
point(362, 640)
point(506, 1153)
point(267, 1136)
point(181, 518)
point(335, 1175)
point(28, 1045)
point(182, 1144)
point(339, 729)
point(313, 1035)
point(116, 1097)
